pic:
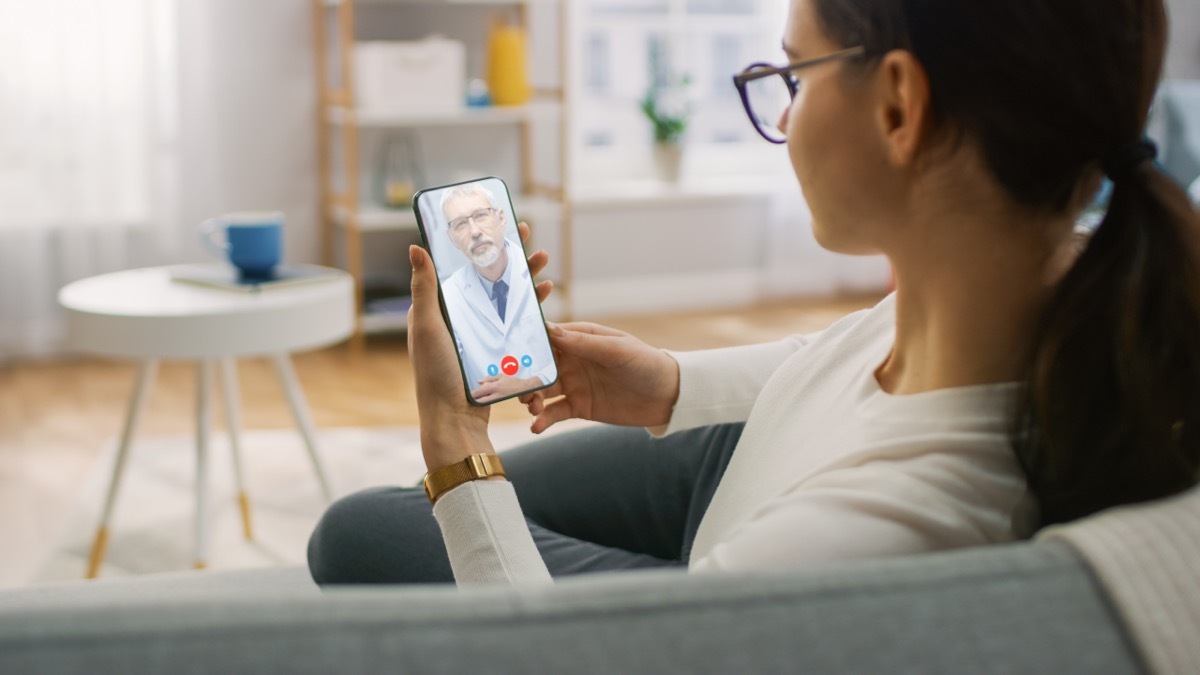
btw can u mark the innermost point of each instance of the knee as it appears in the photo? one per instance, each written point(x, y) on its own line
point(380, 535)
point(336, 540)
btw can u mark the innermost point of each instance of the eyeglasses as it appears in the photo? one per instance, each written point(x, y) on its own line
point(480, 216)
point(765, 101)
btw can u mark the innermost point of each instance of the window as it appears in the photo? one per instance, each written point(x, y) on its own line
point(598, 64)
point(628, 45)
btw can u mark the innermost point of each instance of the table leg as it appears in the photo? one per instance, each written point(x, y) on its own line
point(204, 369)
point(233, 421)
point(141, 389)
point(295, 398)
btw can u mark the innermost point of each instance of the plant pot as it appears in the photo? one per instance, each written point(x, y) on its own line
point(668, 160)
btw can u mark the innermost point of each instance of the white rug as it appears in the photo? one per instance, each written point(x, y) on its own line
point(152, 528)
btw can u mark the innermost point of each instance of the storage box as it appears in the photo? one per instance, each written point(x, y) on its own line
point(422, 75)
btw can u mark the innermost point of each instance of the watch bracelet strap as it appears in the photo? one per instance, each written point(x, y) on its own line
point(475, 467)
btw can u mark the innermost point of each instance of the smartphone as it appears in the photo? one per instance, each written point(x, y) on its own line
point(486, 291)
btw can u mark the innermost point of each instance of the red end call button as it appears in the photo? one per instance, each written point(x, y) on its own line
point(509, 365)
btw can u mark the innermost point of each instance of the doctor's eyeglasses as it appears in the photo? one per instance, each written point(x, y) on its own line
point(765, 98)
point(480, 216)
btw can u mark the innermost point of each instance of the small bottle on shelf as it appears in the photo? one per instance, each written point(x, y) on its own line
point(399, 173)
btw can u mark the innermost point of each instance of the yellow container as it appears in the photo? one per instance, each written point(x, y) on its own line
point(507, 71)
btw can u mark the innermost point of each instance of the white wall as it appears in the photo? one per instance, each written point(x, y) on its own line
point(1183, 54)
point(248, 115)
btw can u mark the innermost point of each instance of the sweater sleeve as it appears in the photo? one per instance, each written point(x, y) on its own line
point(718, 386)
point(486, 536)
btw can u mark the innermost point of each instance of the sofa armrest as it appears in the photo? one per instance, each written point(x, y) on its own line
point(1026, 607)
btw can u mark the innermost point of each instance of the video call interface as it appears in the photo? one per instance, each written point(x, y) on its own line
point(486, 287)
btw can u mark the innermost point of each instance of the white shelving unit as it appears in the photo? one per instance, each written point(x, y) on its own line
point(373, 218)
point(347, 218)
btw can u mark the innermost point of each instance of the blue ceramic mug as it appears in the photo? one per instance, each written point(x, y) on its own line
point(253, 241)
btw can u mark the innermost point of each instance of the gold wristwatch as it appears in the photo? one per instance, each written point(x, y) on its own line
point(472, 468)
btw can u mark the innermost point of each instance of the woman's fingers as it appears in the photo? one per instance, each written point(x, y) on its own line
point(552, 414)
point(423, 274)
point(539, 258)
point(534, 403)
point(423, 313)
point(538, 261)
point(590, 329)
point(591, 346)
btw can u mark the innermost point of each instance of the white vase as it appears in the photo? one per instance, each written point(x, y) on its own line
point(668, 160)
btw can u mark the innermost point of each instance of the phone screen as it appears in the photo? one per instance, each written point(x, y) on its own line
point(488, 296)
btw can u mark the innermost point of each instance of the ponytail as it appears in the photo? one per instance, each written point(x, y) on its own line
point(1111, 411)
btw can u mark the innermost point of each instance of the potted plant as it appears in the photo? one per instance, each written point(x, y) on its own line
point(667, 109)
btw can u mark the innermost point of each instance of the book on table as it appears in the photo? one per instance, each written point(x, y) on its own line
point(228, 278)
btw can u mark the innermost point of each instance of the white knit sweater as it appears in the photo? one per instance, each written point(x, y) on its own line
point(828, 467)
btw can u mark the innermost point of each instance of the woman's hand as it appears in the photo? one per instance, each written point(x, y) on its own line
point(605, 375)
point(451, 428)
point(537, 262)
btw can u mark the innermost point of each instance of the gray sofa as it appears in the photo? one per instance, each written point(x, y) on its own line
point(1028, 607)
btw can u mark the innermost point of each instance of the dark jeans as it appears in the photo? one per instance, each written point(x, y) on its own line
point(598, 499)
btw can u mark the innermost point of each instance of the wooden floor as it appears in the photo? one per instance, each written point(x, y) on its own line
point(56, 417)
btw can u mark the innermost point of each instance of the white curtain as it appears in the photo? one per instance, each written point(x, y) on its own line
point(125, 123)
point(87, 152)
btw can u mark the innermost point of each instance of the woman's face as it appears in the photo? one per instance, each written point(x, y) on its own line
point(831, 140)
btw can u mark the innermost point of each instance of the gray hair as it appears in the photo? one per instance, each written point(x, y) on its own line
point(466, 190)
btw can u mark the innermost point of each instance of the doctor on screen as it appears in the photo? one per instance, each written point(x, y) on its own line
point(491, 302)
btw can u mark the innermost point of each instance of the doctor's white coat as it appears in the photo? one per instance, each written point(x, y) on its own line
point(483, 340)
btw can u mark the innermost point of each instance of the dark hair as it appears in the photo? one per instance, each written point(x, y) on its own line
point(1050, 91)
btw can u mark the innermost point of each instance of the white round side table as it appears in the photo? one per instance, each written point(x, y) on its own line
point(144, 314)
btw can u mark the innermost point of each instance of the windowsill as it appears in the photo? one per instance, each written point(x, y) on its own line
point(691, 191)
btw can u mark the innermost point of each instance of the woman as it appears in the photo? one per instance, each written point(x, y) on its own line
point(1010, 382)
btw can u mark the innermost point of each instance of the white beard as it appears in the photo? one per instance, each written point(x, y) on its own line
point(489, 256)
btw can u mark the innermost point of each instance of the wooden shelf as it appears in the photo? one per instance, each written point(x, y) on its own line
point(465, 3)
point(383, 322)
point(464, 116)
point(373, 218)
point(374, 323)
point(386, 314)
